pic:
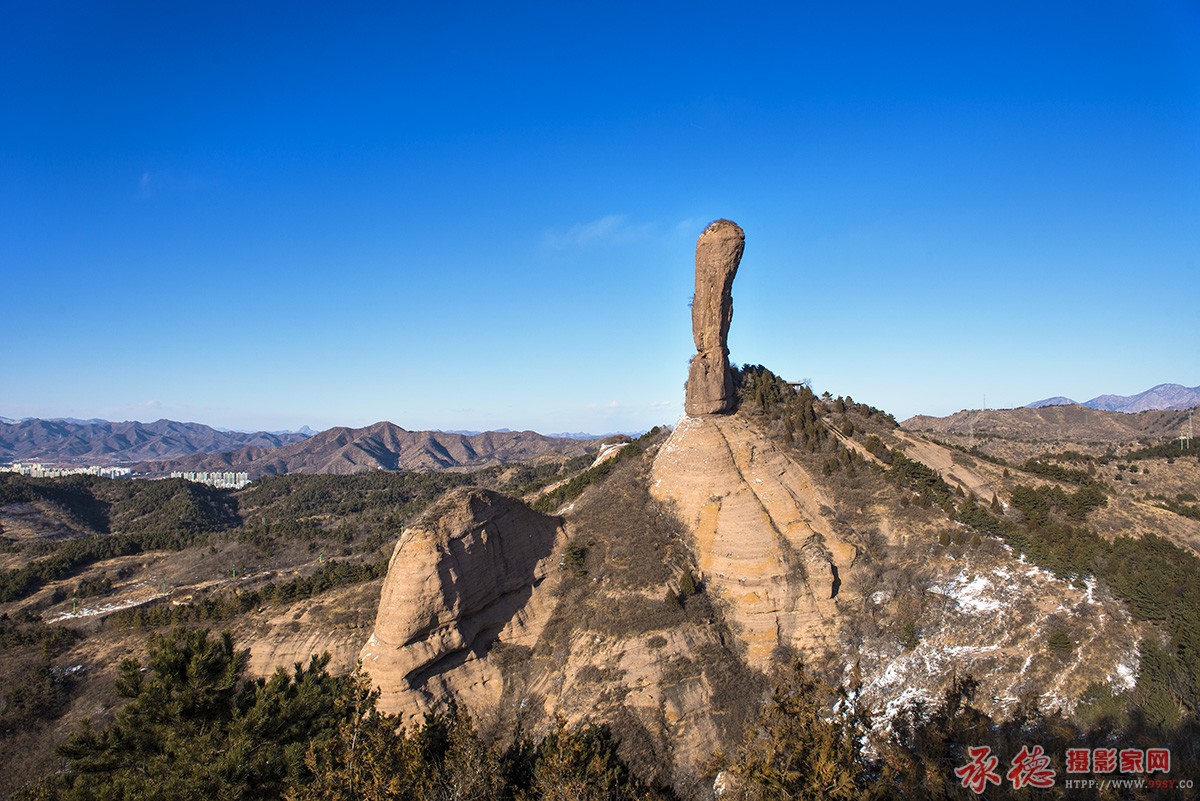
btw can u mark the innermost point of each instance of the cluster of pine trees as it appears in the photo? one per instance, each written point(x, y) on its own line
point(194, 727)
point(795, 409)
point(128, 516)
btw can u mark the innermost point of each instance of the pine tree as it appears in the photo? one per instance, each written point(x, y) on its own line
point(800, 751)
point(687, 585)
point(1059, 642)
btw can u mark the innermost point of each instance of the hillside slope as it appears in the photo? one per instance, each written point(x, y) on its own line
point(703, 564)
point(1050, 424)
point(574, 615)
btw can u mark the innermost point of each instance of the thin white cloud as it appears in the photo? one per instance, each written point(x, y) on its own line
point(616, 404)
point(156, 183)
point(610, 229)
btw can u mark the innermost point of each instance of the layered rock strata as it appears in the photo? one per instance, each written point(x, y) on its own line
point(763, 537)
point(460, 579)
point(710, 384)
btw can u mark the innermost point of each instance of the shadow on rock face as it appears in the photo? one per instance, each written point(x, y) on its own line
point(457, 578)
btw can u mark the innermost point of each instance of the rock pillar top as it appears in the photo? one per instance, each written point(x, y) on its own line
point(718, 253)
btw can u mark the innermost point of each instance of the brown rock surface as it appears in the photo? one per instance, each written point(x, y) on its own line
point(459, 579)
point(525, 640)
point(478, 605)
point(337, 623)
point(763, 541)
point(718, 252)
point(486, 603)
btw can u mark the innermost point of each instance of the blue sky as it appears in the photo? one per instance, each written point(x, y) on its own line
point(262, 215)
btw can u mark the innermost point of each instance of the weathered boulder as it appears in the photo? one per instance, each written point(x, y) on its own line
point(459, 576)
point(710, 384)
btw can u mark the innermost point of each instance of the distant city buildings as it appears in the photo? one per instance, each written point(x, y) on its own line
point(218, 480)
point(38, 470)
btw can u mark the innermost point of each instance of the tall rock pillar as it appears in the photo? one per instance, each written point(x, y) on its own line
point(710, 383)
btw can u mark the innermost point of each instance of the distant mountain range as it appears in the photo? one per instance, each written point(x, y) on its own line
point(553, 435)
point(166, 445)
point(382, 446)
point(74, 420)
point(107, 443)
point(1163, 396)
point(1072, 422)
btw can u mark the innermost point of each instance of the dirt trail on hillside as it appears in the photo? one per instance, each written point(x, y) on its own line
point(956, 468)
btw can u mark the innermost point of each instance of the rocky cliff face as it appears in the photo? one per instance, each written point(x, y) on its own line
point(460, 580)
point(762, 540)
point(843, 575)
point(524, 617)
point(718, 253)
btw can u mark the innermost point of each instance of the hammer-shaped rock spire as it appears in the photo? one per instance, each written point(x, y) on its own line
point(710, 384)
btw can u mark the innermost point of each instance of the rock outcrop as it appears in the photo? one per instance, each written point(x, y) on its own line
point(763, 536)
point(710, 384)
point(459, 579)
point(336, 622)
point(526, 619)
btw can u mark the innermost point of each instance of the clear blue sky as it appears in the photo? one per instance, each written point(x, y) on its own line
point(482, 215)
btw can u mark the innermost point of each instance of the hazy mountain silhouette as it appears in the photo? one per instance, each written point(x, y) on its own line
point(382, 446)
point(104, 442)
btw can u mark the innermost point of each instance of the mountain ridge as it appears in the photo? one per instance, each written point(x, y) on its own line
point(380, 446)
point(1158, 397)
point(1072, 422)
point(106, 442)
